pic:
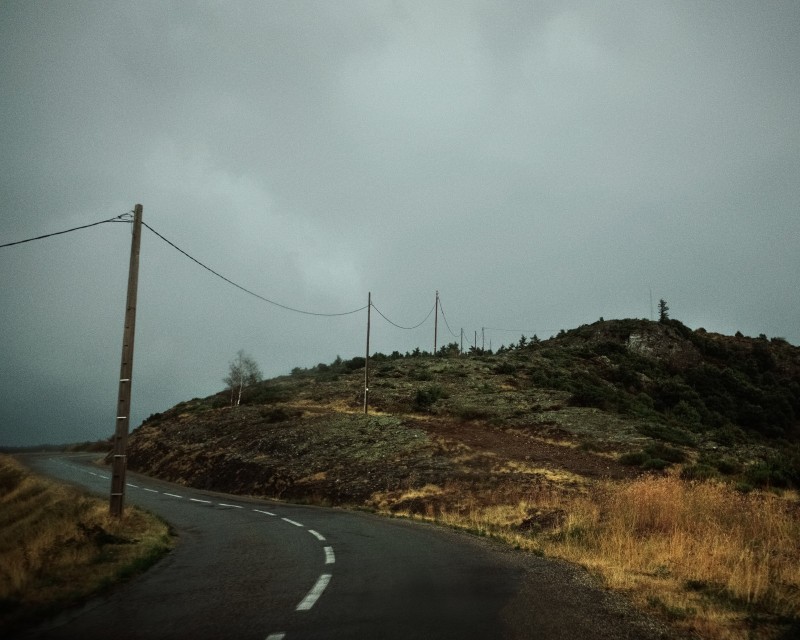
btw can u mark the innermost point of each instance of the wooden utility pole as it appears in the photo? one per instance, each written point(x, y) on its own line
point(366, 360)
point(119, 464)
point(436, 324)
point(462, 340)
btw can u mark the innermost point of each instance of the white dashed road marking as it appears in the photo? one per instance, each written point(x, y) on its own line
point(315, 593)
point(296, 524)
point(322, 582)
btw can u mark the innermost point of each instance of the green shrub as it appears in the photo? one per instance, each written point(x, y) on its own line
point(505, 368)
point(471, 412)
point(665, 452)
point(634, 458)
point(698, 472)
point(667, 433)
point(780, 470)
point(726, 466)
point(355, 363)
point(655, 464)
point(425, 398)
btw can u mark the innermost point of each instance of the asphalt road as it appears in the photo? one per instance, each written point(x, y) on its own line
point(246, 568)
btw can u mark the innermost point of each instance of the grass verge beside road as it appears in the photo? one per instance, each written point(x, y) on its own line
point(59, 546)
point(712, 561)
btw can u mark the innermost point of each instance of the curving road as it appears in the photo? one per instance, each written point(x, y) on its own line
point(248, 568)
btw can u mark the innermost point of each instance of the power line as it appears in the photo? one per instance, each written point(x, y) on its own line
point(125, 217)
point(447, 324)
point(238, 286)
point(416, 326)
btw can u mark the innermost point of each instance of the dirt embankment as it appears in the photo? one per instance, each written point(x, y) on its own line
point(346, 458)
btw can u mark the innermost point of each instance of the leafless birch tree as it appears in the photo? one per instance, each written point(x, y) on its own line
point(243, 372)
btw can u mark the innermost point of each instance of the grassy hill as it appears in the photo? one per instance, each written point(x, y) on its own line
point(608, 399)
point(541, 444)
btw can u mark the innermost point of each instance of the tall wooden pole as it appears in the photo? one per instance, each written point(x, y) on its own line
point(119, 464)
point(436, 324)
point(366, 359)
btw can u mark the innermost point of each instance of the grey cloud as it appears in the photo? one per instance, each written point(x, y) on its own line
point(541, 164)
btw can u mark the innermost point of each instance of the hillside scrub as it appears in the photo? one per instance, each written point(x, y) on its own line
point(59, 546)
point(627, 446)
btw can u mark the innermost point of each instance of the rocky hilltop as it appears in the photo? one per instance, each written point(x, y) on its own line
point(612, 399)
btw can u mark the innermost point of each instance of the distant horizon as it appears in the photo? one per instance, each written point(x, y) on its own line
point(11, 448)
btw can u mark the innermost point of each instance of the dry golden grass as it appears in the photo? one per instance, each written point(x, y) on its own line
point(703, 554)
point(714, 562)
point(58, 545)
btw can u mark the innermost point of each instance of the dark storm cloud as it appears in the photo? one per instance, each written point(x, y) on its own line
point(541, 164)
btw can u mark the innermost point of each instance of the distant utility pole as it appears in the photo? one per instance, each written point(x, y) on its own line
point(436, 324)
point(462, 340)
point(366, 360)
point(483, 338)
point(120, 462)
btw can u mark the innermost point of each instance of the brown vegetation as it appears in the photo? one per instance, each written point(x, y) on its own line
point(666, 461)
point(58, 546)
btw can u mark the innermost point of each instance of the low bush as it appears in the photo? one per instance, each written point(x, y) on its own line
point(634, 458)
point(665, 452)
point(425, 398)
point(698, 472)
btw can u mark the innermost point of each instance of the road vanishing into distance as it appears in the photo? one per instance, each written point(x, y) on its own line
point(254, 569)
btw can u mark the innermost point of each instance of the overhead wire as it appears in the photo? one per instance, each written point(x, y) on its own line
point(444, 317)
point(416, 326)
point(127, 217)
point(248, 291)
point(124, 217)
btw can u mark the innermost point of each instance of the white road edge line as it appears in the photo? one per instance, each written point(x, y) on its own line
point(172, 495)
point(329, 557)
point(266, 513)
point(199, 500)
point(316, 591)
point(276, 636)
point(318, 536)
point(233, 506)
point(296, 524)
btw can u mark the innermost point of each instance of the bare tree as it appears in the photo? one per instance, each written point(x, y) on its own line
point(242, 372)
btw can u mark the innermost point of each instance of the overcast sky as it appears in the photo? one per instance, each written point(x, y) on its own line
point(541, 164)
